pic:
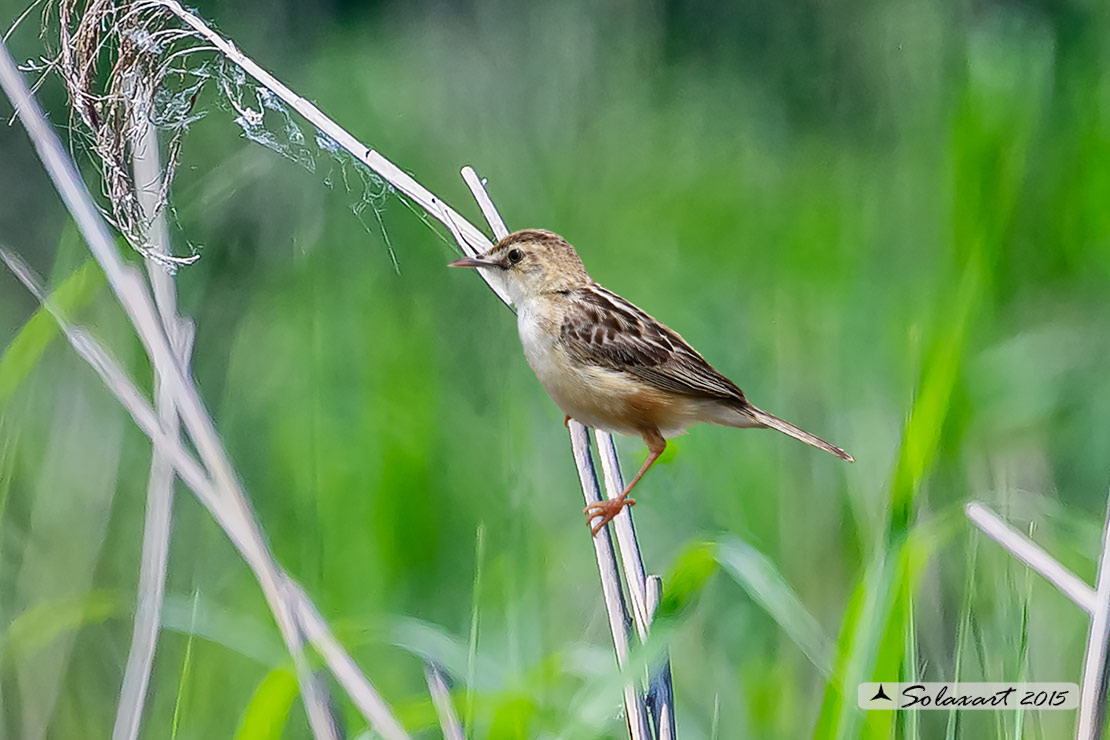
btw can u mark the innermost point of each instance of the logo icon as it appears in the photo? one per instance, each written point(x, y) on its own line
point(880, 694)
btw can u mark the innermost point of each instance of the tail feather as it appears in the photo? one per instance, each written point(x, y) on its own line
point(774, 422)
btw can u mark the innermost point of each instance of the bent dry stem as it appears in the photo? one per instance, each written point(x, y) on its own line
point(1091, 723)
point(213, 479)
point(159, 515)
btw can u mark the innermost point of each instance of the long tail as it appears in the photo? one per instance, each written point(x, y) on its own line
point(774, 422)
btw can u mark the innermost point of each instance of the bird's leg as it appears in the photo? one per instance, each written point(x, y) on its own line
point(609, 508)
point(566, 421)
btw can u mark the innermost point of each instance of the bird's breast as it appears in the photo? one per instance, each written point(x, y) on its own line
point(556, 370)
point(598, 397)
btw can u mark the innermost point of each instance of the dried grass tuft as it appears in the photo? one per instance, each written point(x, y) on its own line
point(119, 62)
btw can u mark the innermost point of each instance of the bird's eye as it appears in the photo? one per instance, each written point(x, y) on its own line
point(515, 256)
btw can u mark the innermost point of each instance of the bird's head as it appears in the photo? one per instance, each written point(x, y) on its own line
point(532, 262)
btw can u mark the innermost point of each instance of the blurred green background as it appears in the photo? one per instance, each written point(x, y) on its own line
point(887, 221)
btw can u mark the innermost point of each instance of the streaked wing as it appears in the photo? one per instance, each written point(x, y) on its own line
point(605, 330)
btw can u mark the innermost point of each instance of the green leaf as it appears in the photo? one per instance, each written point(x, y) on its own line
point(687, 578)
point(41, 624)
point(511, 718)
point(268, 710)
point(234, 630)
point(930, 409)
point(766, 585)
point(857, 647)
point(28, 346)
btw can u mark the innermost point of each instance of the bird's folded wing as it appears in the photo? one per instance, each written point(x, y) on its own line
point(603, 329)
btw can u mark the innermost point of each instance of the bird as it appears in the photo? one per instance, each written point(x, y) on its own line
point(608, 364)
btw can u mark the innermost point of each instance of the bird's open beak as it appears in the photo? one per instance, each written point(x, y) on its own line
point(472, 262)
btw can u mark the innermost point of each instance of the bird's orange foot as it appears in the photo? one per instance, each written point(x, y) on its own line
point(607, 510)
point(566, 421)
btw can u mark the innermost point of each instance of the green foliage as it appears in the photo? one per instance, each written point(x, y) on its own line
point(23, 352)
point(686, 579)
point(43, 623)
point(265, 716)
point(763, 582)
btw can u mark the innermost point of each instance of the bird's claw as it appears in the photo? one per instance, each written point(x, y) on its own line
point(607, 510)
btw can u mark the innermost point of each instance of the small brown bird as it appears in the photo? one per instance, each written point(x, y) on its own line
point(608, 364)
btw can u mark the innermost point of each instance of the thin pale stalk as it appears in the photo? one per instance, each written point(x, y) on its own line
point(475, 611)
point(159, 507)
point(631, 559)
point(131, 291)
point(496, 224)
point(660, 686)
point(1028, 552)
point(1096, 669)
point(473, 241)
point(485, 203)
point(615, 607)
point(369, 702)
point(193, 474)
point(660, 691)
point(441, 698)
point(152, 574)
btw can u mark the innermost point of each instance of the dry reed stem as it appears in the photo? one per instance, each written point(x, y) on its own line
point(1028, 552)
point(471, 240)
point(441, 698)
point(631, 558)
point(369, 702)
point(1096, 668)
point(661, 689)
point(629, 547)
point(131, 290)
point(1091, 720)
point(619, 621)
point(612, 594)
point(193, 474)
point(157, 526)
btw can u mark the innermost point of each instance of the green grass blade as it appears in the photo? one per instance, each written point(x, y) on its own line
point(963, 632)
point(268, 710)
point(767, 587)
point(44, 622)
point(186, 668)
point(24, 351)
point(871, 646)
